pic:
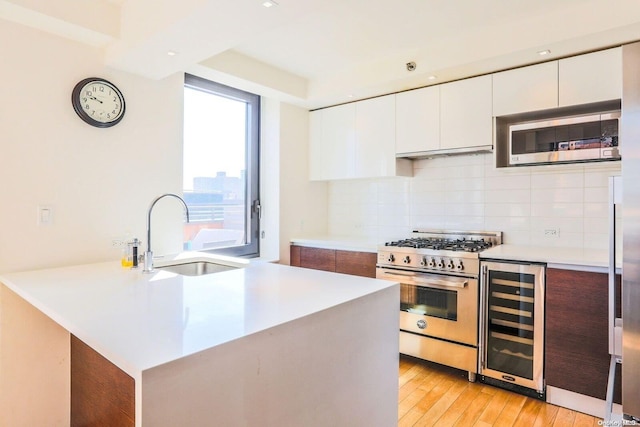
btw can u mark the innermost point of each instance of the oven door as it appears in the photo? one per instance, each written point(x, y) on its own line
point(437, 305)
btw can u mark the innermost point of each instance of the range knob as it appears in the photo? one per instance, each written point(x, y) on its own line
point(459, 266)
point(406, 260)
point(391, 258)
point(440, 263)
point(450, 264)
point(423, 263)
point(432, 263)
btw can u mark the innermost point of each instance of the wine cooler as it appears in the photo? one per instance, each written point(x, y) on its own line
point(511, 350)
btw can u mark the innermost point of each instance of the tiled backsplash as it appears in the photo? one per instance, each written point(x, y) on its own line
point(528, 204)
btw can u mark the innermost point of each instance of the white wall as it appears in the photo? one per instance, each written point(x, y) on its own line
point(99, 182)
point(303, 203)
point(469, 193)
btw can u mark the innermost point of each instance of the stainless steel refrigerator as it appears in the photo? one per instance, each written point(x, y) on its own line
point(630, 150)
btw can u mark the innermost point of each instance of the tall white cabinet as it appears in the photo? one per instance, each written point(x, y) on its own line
point(418, 120)
point(466, 114)
point(355, 140)
point(332, 142)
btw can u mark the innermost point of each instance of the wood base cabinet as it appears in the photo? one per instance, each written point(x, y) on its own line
point(577, 352)
point(347, 262)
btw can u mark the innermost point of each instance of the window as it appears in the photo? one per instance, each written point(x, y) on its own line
point(220, 168)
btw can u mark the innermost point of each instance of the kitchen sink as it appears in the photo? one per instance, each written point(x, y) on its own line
point(196, 268)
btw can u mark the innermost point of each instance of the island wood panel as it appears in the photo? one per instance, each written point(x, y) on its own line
point(101, 393)
point(577, 347)
point(356, 263)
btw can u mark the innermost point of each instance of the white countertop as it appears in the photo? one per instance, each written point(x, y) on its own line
point(565, 258)
point(340, 243)
point(139, 321)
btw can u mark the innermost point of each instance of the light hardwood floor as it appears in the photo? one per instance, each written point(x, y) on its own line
point(434, 395)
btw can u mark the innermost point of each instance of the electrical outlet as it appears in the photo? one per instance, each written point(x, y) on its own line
point(118, 243)
point(552, 232)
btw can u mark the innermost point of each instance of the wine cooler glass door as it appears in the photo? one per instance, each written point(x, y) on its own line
point(513, 297)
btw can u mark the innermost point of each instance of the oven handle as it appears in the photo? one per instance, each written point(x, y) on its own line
point(460, 284)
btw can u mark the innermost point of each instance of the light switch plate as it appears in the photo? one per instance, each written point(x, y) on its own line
point(45, 215)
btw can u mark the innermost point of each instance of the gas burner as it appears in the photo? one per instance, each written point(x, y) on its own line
point(467, 245)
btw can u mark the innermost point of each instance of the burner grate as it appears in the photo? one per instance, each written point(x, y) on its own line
point(466, 245)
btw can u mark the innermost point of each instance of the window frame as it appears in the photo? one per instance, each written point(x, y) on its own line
point(251, 248)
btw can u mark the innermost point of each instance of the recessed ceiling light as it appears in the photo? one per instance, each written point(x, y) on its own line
point(544, 52)
point(432, 77)
point(269, 3)
point(172, 53)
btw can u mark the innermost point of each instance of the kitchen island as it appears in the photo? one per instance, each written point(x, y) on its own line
point(267, 345)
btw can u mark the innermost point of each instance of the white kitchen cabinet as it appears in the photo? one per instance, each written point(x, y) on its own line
point(332, 142)
point(418, 120)
point(355, 140)
point(525, 89)
point(593, 77)
point(466, 114)
point(582, 79)
point(375, 153)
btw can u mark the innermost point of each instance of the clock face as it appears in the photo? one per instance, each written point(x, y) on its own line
point(98, 102)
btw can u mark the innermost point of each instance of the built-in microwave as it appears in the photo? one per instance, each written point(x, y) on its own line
point(585, 138)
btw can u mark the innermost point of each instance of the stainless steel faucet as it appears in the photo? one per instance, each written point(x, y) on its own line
point(148, 255)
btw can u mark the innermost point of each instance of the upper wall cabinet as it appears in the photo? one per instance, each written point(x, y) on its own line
point(583, 79)
point(332, 142)
point(448, 118)
point(590, 78)
point(355, 140)
point(525, 89)
point(418, 120)
point(465, 114)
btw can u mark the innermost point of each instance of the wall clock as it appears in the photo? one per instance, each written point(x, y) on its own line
point(98, 102)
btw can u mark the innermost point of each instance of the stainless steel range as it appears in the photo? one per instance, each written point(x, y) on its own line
point(438, 273)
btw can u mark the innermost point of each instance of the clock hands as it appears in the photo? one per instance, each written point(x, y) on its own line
point(95, 99)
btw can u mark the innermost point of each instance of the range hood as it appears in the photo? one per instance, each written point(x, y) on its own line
point(446, 152)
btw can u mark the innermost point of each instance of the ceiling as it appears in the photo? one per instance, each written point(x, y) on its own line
point(316, 54)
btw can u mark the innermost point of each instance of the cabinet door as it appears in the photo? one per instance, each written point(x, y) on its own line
point(465, 113)
point(375, 154)
point(577, 346)
point(418, 120)
point(590, 78)
point(332, 142)
point(526, 89)
point(356, 263)
point(317, 258)
point(339, 141)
